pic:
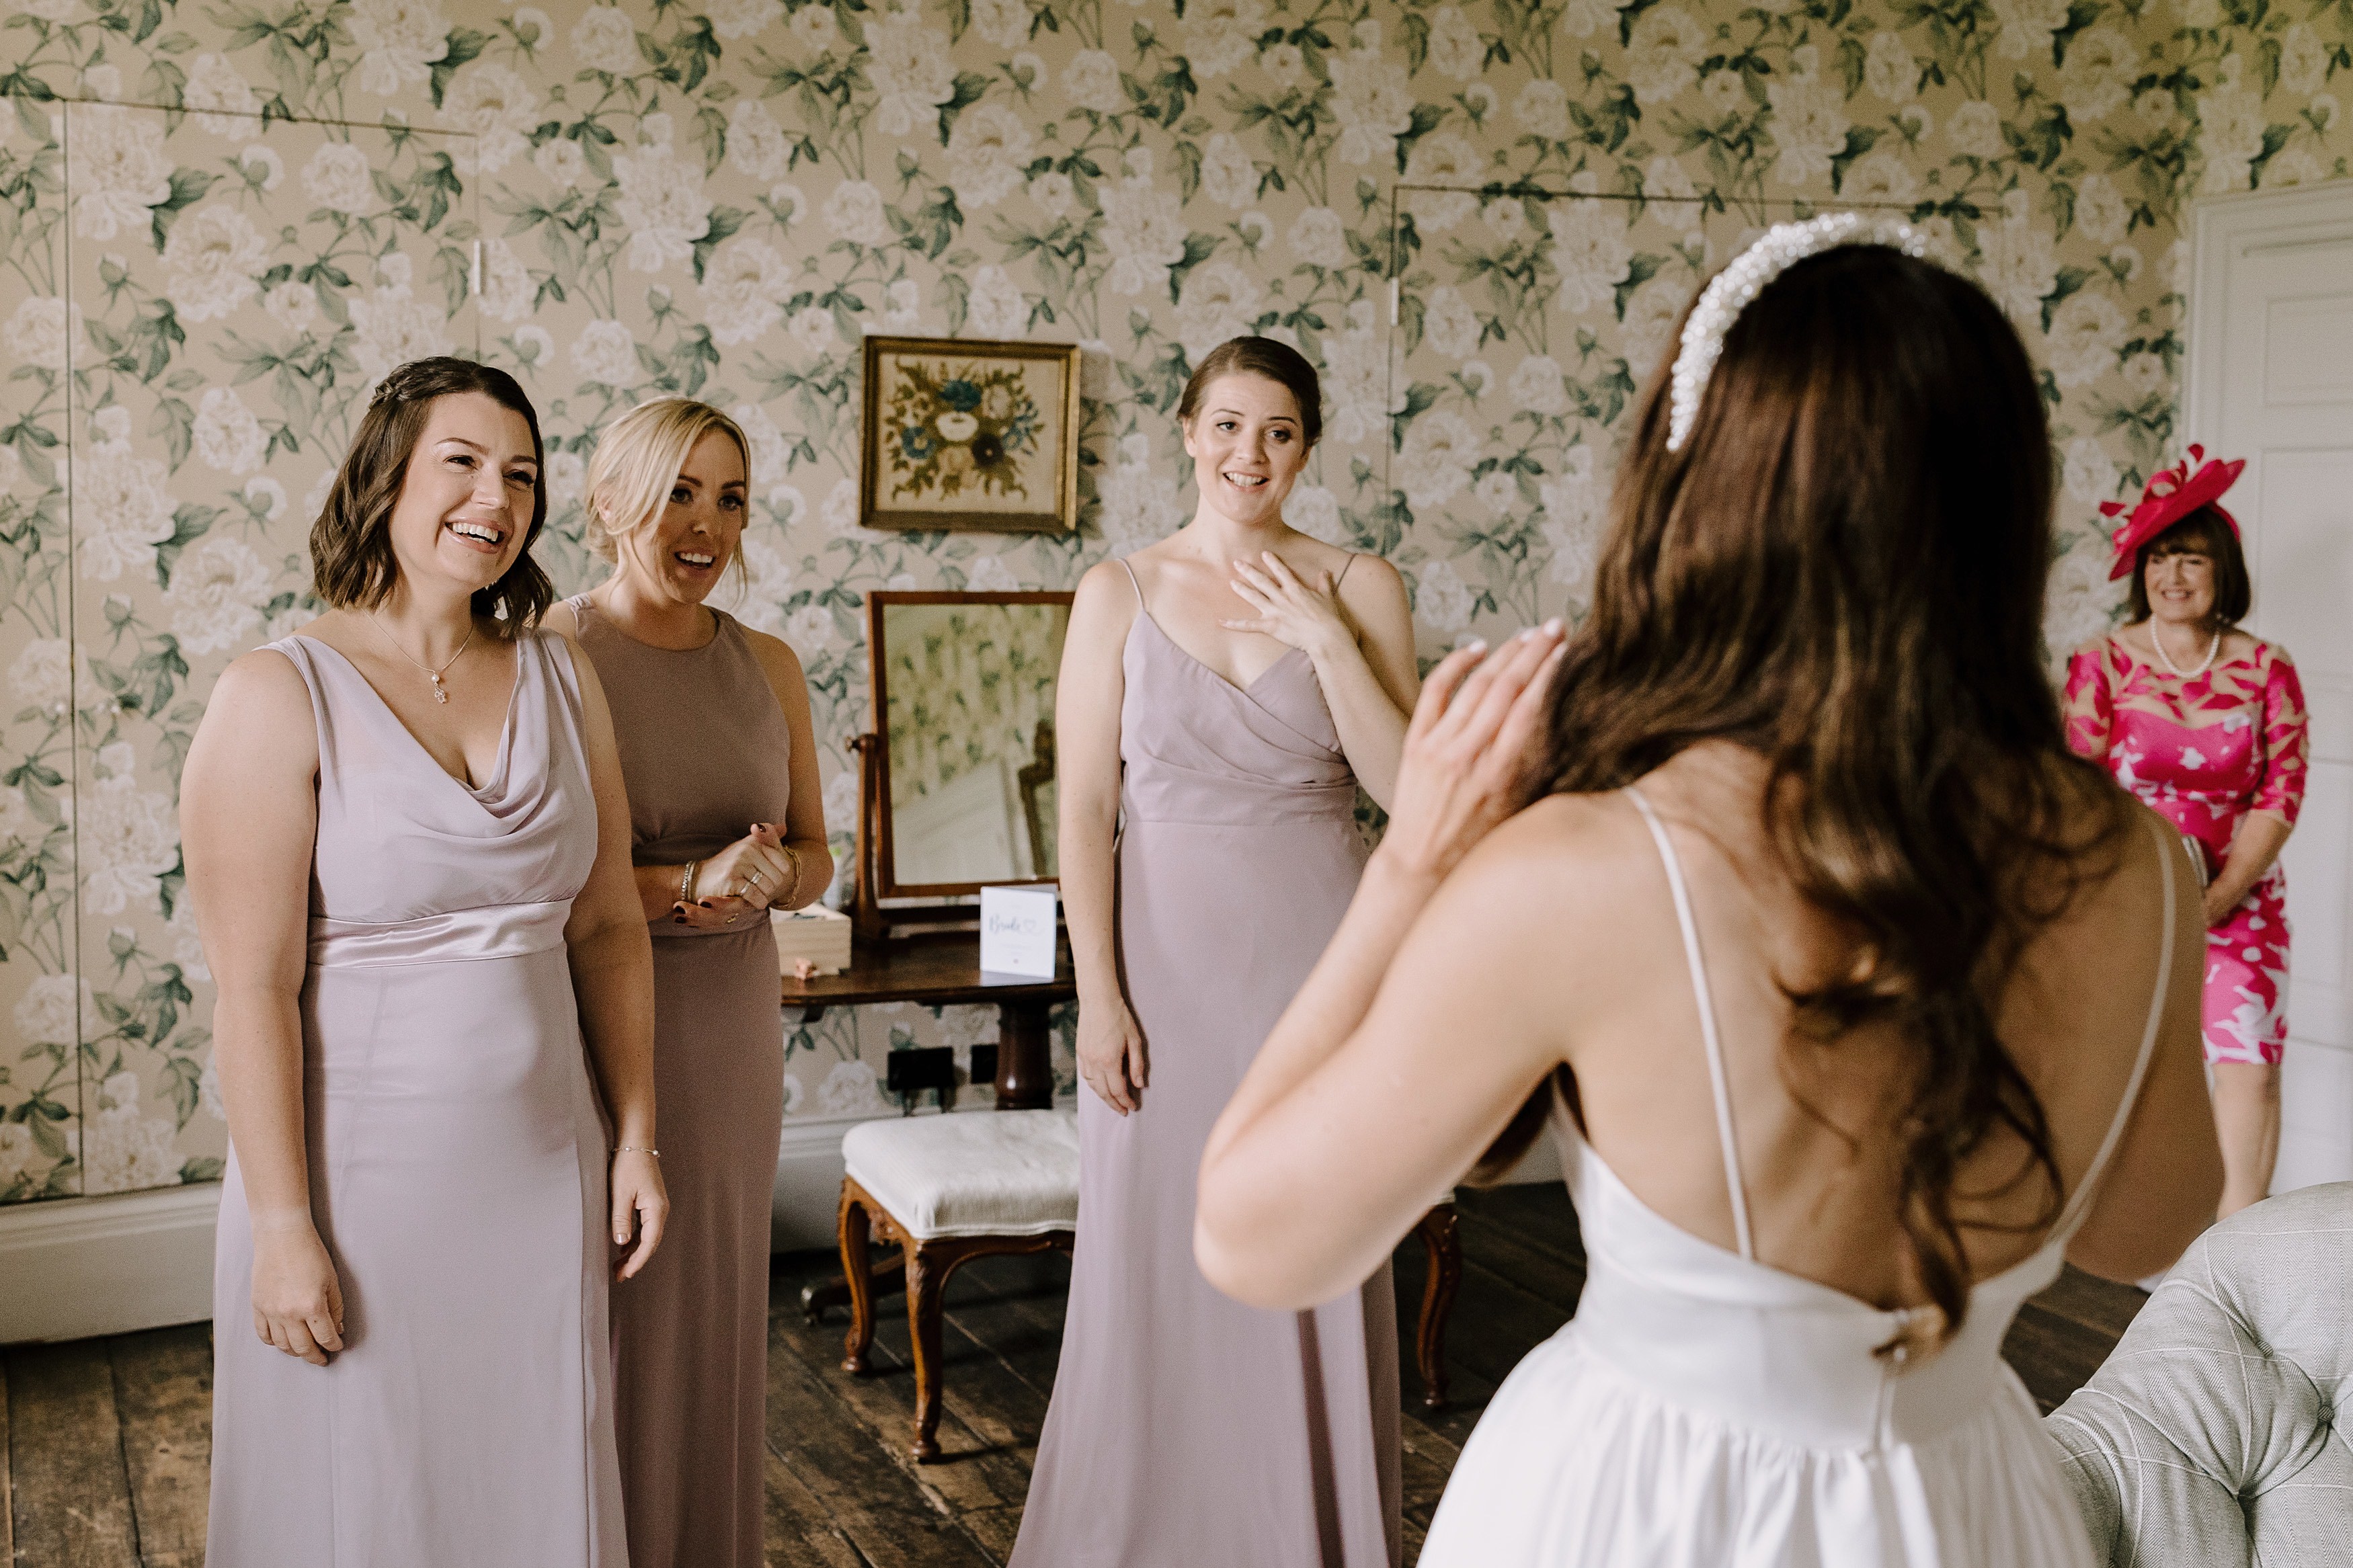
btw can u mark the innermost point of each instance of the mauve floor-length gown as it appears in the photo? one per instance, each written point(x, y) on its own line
point(706, 753)
point(1187, 1429)
point(457, 1159)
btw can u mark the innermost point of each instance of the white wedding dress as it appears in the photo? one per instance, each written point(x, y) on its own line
point(1704, 1408)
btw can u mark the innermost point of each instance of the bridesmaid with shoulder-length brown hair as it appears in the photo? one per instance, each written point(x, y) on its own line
point(405, 838)
point(726, 822)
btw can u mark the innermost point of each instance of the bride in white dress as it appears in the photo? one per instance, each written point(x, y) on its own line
point(1856, 1002)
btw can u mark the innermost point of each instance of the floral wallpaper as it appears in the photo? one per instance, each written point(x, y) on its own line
point(221, 221)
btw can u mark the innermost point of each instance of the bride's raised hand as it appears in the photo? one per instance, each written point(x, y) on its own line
point(1289, 609)
point(1465, 747)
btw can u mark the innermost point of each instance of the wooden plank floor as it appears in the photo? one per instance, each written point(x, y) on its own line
point(104, 1448)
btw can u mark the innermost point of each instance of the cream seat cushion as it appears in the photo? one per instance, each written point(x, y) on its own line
point(980, 1172)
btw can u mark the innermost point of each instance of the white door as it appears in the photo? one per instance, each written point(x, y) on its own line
point(2270, 379)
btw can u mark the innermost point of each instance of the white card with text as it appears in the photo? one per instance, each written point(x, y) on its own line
point(1016, 931)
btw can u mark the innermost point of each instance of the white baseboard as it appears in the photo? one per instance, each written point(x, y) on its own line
point(76, 1267)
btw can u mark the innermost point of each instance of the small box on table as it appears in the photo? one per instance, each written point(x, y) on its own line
point(817, 936)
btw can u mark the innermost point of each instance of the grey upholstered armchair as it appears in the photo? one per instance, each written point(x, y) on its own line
point(2215, 1434)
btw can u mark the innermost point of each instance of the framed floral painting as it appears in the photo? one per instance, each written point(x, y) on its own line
point(965, 433)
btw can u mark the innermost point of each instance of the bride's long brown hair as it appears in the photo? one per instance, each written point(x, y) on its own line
point(1843, 571)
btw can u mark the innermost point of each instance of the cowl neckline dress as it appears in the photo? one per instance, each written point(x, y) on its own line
point(457, 1161)
point(1185, 1427)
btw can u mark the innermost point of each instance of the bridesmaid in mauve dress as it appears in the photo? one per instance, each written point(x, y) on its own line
point(715, 741)
point(412, 1351)
point(1186, 1428)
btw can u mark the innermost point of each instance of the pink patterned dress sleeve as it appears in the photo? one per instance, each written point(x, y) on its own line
point(2203, 750)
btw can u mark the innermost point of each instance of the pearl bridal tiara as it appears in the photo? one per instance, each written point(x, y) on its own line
point(1781, 248)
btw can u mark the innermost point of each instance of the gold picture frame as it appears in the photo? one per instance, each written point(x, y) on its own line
point(961, 433)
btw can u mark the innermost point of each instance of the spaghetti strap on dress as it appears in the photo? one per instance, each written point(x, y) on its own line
point(1704, 1408)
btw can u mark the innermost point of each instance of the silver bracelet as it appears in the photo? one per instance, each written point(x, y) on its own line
point(634, 1149)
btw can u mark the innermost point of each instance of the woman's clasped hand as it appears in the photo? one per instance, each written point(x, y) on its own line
point(740, 881)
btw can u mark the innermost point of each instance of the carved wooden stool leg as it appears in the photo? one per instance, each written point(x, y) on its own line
point(927, 1274)
point(854, 1228)
point(1440, 1233)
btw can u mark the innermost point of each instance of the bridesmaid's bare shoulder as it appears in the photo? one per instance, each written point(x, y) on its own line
point(780, 664)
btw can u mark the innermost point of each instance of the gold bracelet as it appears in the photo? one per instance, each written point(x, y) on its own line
point(792, 859)
point(686, 882)
point(634, 1149)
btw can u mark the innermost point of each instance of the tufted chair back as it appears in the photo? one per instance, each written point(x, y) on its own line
point(2211, 1435)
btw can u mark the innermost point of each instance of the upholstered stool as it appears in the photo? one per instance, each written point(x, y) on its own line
point(2214, 1435)
point(947, 1189)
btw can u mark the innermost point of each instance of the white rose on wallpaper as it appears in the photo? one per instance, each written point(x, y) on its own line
point(126, 840)
point(1372, 104)
point(1218, 301)
point(1314, 511)
point(1228, 175)
point(813, 329)
point(1221, 36)
point(902, 305)
point(42, 675)
point(908, 65)
point(1882, 174)
point(1575, 547)
point(961, 1028)
point(768, 579)
point(1889, 70)
point(1974, 130)
point(2086, 471)
point(1590, 251)
point(50, 10)
point(567, 473)
point(1434, 462)
point(1444, 158)
point(399, 41)
point(508, 293)
point(741, 19)
point(2303, 60)
point(991, 575)
point(2144, 376)
point(2081, 601)
point(267, 494)
point(1051, 193)
point(497, 106)
point(45, 1013)
point(814, 30)
point(40, 330)
point(1542, 108)
point(744, 290)
point(1143, 233)
point(1442, 601)
point(995, 308)
point(216, 592)
point(757, 144)
point(2296, 165)
point(1455, 49)
point(1661, 54)
point(1653, 311)
point(2026, 25)
point(661, 205)
point(1318, 239)
point(1498, 491)
point(1448, 324)
point(293, 306)
point(987, 153)
point(209, 262)
point(19, 1153)
point(2018, 265)
point(123, 1151)
point(394, 326)
point(116, 169)
point(2100, 210)
point(605, 39)
point(1725, 93)
point(848, 1088)
point(228, 437)
point(854, 213)
point(1090, 81)
point(562, 163)
point(839, 511)
point(1355, 383)
point(223, 100)
point(337, 175)
point(607, 352)
point(2098, 78)
point(1004, 23)
point(122, 509)
point(1809, 127)
point(1139, 505)
point(1583, 19)
point(18, 823)
point(810, 630)
point(2230, 125)
point(1538, 385)
point(2087, 331)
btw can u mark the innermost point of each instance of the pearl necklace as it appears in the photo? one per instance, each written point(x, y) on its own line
point(2212, 647)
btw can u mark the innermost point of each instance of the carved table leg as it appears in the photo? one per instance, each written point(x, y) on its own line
point(1025, 1074)
point(1440, 1233)
point(855, 1227)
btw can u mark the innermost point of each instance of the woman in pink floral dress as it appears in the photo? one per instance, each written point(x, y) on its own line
point(2207, 725)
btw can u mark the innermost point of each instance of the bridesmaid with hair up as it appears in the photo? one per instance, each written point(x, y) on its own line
point(726, 822)
point(1222, 693)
